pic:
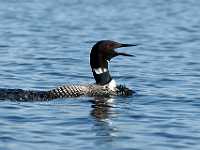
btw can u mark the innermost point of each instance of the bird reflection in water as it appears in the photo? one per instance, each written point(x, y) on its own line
point(102, 107)
point(103, 112)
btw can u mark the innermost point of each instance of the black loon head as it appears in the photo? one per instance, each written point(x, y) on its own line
point(102, 52)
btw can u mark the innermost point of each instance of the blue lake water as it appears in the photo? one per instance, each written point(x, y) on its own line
point(44, 44)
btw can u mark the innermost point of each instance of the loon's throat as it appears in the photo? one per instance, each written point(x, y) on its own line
point(102, 76)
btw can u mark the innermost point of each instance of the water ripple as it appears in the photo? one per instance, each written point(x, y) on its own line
point(43, 45)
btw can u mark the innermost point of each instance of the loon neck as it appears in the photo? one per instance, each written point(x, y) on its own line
point(99, 67)
point(101, 75)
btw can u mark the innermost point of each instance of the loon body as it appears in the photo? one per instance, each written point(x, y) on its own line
point(102, 52)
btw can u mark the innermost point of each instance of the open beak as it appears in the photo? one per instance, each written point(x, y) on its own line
point(125, 54)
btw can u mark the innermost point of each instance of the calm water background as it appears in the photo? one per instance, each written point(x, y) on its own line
point(44, 44)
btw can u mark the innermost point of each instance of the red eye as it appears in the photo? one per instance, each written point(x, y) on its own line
point(109, 46)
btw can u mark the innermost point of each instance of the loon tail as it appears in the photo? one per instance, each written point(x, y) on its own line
point(22, 95)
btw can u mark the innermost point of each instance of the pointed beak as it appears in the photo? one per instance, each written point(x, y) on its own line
point(125, 54)
point(128, 45)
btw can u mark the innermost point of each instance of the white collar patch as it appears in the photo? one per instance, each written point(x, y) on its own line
point(100, 70)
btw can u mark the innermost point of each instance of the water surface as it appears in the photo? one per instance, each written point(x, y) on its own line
point(44, 44)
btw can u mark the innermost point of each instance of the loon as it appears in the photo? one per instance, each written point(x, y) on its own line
point(102, 52)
